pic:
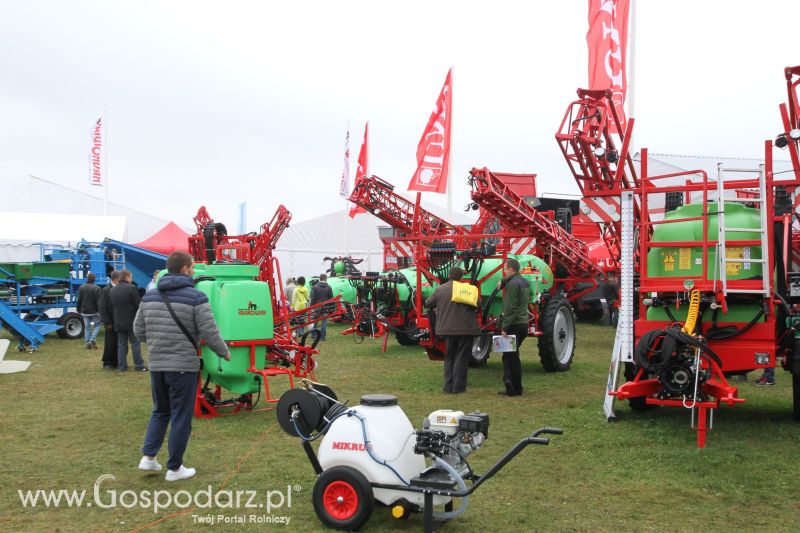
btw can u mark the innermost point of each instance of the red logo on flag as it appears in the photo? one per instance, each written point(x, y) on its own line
point(433, 150)
point(607, 39)
point(344, 184)
point(361, 171)
point(96, 176)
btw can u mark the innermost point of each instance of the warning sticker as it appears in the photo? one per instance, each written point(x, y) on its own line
point(669, 262)
point(684, 258)
point(735, 252)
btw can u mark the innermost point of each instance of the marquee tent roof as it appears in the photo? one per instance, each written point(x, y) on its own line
point(30, 194)
point(167, 240)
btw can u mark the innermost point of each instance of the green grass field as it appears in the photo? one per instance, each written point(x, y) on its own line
point(66, 422)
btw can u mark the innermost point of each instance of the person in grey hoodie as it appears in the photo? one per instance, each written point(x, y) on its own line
point(174, 361)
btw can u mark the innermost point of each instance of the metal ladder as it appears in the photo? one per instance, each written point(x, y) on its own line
point(722, 252)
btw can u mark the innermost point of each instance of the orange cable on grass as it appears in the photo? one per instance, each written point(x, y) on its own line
point(234, 471)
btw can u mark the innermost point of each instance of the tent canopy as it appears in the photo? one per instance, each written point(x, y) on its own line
point(168, 239)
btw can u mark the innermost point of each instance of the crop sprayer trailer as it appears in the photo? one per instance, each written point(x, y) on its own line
point(707, 286)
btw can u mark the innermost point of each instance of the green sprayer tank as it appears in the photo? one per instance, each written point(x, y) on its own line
point(532, 268)
point(687, 261)
point(242, 309)
point(342, 285)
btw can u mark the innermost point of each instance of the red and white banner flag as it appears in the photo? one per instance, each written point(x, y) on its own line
point(344, 184)
point(607, 39)
point(433, 150)
point(361, 171)
point(96, 174)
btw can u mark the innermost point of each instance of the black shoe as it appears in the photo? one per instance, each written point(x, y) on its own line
point(94, 345)
point(504, 393)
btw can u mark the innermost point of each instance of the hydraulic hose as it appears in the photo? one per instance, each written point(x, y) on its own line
point(447, 515)
point(694, 310)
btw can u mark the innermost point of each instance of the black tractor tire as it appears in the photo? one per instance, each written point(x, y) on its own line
point(343, 498)
point(406, 339)
point(557, 341)
point(796, 396)
point(481, 347)
point(639, 403)
point(73, 326)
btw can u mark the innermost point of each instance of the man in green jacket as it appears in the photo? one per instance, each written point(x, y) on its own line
point(516, 297)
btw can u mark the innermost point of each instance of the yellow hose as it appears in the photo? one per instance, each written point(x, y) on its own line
point(694, 310)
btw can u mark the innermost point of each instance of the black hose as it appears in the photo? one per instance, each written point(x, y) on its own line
point(725, 333)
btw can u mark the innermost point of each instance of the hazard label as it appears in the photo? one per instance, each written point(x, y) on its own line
point(684, 258)
point(736, 252)
point(669, 262)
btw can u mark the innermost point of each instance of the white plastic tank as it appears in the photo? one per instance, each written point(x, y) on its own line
point(392, 439)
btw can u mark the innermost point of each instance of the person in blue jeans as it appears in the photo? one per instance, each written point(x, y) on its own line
point(125, 301)
point(174, 361)
point(88, 305)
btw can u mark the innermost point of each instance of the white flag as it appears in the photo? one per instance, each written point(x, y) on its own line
point(96, 155)
point(344, 184)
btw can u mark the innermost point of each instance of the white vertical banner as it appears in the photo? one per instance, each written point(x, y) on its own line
point(242, 218)
point(344, 183)
point(96, 160)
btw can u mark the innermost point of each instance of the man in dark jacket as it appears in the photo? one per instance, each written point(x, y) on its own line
point(174, 361)
point(124, 304)
point(516, 297)
point(88, 305)
point(457, 324)
point(110, 348)
point(319, 293)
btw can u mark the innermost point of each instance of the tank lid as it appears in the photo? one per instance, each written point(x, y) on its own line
point(379, 400)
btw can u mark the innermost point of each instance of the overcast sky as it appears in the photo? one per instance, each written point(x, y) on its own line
point(216, 103)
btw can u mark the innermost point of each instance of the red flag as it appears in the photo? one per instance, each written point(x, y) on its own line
point(96, 154)
point(433, 150)
point(361, 171)
point(607, 39)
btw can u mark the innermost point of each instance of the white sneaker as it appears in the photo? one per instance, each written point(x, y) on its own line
point(181, 473)
point(149, 464)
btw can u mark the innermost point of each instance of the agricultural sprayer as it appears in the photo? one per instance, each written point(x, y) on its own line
point(709, 286)
point(370, 453)
point(241, 278)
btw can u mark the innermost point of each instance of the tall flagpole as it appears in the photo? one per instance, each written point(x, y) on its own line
point(450, 152)
point(346, 201)
point(632, 65)
point(105, 157)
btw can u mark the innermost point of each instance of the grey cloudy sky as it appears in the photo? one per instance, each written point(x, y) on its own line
point(217, 103)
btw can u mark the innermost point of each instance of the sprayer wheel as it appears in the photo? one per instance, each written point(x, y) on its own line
point(480, 351)
point(557, 342)
point(343, 498)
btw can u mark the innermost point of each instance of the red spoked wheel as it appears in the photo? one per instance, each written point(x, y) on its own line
point(340, 500)
point(343, 498)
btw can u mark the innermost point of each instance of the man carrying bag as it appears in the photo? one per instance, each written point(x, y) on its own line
point(171, 320)
point(457, 323)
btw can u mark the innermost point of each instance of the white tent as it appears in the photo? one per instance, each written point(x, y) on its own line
point(302, 248)
point(36, 210)
point(23, 233)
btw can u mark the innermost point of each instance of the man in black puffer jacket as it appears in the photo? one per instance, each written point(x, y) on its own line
point(174, 362)
point(124, 304)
